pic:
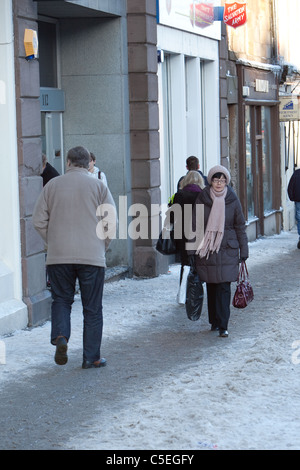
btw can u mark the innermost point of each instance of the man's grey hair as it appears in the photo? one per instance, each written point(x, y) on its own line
point(79, 156)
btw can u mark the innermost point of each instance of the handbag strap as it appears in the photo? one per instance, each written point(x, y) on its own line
point(243, 272)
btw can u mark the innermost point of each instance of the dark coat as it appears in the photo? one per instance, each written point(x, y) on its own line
point(49, 173)
point(294, 187)
point(203, 176)
point(224, 265)
point(187, 195)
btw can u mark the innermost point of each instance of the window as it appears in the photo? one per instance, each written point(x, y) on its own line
point(249, 169)
point(47, 54)
point(259, 163)
point(166, 130)
point(266, 158)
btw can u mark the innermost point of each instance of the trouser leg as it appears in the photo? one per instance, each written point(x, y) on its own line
point(218, 304)
point(62, 279)
point(211, 304)
point(223, 304)
point(91, 282)
point(297, 214)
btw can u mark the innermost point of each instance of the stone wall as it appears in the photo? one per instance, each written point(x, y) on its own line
point(35, 294)
point(144, 126)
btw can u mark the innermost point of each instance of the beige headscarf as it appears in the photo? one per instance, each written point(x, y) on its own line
point(214, 231)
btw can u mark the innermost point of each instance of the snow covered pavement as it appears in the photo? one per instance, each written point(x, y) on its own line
point(169, 384)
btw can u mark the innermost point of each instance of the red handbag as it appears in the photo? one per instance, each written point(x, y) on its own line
point(244, 293)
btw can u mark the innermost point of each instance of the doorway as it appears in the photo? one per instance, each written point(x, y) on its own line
point(52, 105)
point(259, 164)
point(52, 140)
point(52, 98)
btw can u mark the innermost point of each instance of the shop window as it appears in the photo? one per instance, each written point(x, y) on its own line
point(167, 165)
point(258, 161)
point(249, 165)
point(266, 157)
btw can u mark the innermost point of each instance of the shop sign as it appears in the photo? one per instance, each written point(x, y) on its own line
point(193, 16)
point(289, 108)
point(202, 14)
point(235, 14)
point(262, 85)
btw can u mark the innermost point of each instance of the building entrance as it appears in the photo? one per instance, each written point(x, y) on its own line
point(52, 107)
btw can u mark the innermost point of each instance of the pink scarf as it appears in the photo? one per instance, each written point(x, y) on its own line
point(215, 225)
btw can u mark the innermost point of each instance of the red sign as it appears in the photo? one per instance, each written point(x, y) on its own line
point(202, 14)
point(235, 14)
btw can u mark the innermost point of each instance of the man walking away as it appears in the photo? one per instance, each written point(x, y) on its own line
point(65, 217)
point(192, 164)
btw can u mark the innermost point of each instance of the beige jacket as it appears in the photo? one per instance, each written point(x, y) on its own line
point(65, 217)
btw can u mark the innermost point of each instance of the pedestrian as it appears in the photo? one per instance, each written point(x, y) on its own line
point(192, 164)
point(49, 171)
point(94, 170)
point(294, 195)
point(191, 185)
point(66, 216)
point(224, 245)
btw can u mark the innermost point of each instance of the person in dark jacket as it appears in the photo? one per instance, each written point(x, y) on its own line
point(192, 164)
point(49, 171)
point(190, 187)
point(294, 195)
point(224, 245)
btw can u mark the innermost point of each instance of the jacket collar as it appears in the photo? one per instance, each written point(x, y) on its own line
point(77, 169)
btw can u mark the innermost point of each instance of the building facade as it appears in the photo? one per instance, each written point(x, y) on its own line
point(13, 310)
point(188, 72)
point(173, 59)
point(143, 84)
point(250, 77)
point(93, 82)
point(288, 56)
point(73, 92)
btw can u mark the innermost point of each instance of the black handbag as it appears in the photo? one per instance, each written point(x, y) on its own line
point(166, 244)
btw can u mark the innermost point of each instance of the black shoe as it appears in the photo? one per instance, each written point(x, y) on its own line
point(214, 328)
point(298, 245)
point(94, 365)
point(223, 333)
point(61, 357)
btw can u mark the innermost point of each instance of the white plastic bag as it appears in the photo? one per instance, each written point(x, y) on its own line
point(181, 294)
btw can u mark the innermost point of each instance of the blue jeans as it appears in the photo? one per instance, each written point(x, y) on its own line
point(62, 279)
point(297, 206)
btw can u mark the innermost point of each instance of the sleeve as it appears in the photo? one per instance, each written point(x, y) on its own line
point(240, 230)
point(291, 188)
point(108, 219)
point(103, 178)
point(40, 216)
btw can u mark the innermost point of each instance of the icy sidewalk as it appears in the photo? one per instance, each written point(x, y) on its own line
point(170, 383)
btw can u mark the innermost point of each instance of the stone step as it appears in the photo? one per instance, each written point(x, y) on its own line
point(6, 283)
point(13, 316)
point(116, 273)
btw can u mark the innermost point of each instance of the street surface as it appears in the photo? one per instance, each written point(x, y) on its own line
point(169, 383)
